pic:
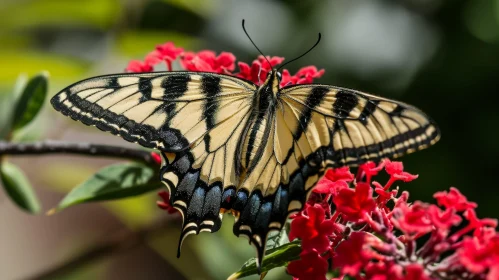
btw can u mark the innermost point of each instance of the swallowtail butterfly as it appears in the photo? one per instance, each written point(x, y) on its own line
point(228, 145)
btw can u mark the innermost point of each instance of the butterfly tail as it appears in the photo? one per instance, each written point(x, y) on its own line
point(198, 203)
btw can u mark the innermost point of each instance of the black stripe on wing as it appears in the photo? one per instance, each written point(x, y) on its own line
point(202, 205)
point(69, 103)
point(394, 128)
point(211, 89)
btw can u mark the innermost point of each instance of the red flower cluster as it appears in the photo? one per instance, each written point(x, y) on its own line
point(366, 237)
point(354, 226)
point(224, 63)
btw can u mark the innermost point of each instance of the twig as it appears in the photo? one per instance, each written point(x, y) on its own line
point(60, 147)
point(119, 242)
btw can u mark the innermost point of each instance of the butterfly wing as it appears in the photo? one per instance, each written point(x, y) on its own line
point(168, 111)
point(277, 186)
point(194, 119)
point(349, 127)
point(315, 127)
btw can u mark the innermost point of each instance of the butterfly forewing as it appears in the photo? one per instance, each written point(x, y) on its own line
point(167, 111)
point(355, 127)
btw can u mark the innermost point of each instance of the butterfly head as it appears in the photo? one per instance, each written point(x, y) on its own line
point(273, 81)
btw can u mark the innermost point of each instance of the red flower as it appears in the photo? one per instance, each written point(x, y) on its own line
point(355, 203)
point(312, 229)
point(156, 157)
point(415, 271)
point(443, 220)
point(137, 66)
point(305, 75)
point(334, 180)
point(412, 220)
point(477, 255)
point(259, 68)
point(339, 174)
point(359, 234)
point(208, 61)
point(168, 51)
point(396, 171)
point(453, 199)
point(326, 186)
point(350, 255)
point(165, 204)
point(493, 272)
point(370, 169)
point(310, 266)
point(475, 222)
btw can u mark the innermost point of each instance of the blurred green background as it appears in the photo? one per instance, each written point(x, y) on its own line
point(441, 56)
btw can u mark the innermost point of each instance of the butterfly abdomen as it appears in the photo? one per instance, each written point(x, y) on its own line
point(259, 125)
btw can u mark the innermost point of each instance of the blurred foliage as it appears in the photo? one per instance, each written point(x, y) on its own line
point(30, 102)
point(113, 182)
point(22, 106)
point(19, 189)
point(276, 257)
point(441, 56)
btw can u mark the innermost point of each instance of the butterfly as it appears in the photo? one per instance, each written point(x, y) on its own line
point(230, 146)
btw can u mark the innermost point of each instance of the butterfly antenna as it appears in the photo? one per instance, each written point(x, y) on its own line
point(315, 45)
point(244, 28)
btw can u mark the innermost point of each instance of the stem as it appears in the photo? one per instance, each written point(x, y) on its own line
point(60, 147)
point(118, 242)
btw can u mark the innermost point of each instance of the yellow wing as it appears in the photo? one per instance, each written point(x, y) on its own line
point(348, 127)
point(194, 119)
point(168, 111)
point(315, 127)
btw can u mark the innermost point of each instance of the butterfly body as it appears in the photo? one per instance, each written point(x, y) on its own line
point(228, 145)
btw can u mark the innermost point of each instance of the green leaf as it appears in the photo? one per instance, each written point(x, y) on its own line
point(18, 188)
point(113, 182)
point(276, 239)
point(6, 102)
point(31, 101)
point(274, 258)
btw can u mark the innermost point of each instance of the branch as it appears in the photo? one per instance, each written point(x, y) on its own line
point(60, 147)
point(118, 242)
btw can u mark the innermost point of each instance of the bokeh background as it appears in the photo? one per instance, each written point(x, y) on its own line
point(442, 56)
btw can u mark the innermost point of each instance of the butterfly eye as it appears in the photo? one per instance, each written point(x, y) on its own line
point(279, 75)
